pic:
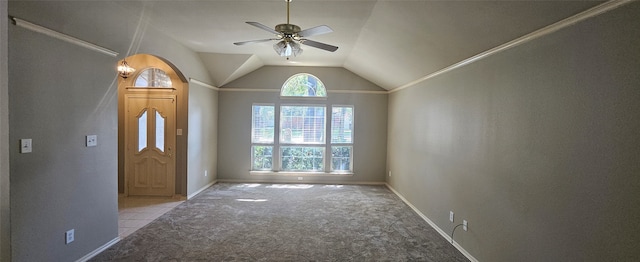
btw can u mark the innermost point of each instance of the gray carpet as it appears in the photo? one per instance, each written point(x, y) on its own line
point(287, 222)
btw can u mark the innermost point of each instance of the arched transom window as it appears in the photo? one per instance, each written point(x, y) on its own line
point(303, 84)
point(153, 77)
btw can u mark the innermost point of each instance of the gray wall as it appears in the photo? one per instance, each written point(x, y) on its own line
point(203, 135)
point(537, 146)
point(5, 226)
point(59, 93)
point(234, 133)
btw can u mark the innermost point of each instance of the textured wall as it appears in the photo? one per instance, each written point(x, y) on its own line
point(59, 93)
point(234, 134)
point(537, 146)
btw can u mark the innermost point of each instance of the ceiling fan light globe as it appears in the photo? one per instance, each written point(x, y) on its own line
point(288, 51)
point(295, 48)
point(297, 52)
point(280, 48)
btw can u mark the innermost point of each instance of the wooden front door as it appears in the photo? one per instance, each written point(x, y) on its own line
point(150, 126)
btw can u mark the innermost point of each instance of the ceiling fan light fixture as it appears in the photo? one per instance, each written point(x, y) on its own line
point(287, 48)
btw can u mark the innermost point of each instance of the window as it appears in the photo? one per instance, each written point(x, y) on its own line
point(262, 157)
point(302, 124)
point(153, 77)
point(341, 138)
point(262, 137)
point(341, 124)
point(305, 85)
point(304, 140)
point(341, 158)
point(160, 131)
point(142, 131)
point(297, 158)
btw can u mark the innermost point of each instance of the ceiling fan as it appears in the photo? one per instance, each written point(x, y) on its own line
point(290, 37)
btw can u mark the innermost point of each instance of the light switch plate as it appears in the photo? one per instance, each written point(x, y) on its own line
point(69, 236)
point(92, 140)
point(25, 146)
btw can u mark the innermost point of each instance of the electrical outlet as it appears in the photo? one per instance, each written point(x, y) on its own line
point(389, 172)
point(69, 236)
point(205, 173)
point(92, 140)
point(465, 225)
point(451, 216)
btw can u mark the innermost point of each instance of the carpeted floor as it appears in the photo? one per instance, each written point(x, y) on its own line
point(287, 222)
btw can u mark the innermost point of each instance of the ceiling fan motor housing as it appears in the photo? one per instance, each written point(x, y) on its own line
point(288, 29)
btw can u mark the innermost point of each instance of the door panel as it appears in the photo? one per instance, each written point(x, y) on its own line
point(150, 139)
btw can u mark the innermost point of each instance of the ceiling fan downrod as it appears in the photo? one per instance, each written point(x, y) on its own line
point(288, 1)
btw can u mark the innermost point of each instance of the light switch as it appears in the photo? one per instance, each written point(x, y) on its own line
point(92, 140)
point(25, 145)
point(179, 132)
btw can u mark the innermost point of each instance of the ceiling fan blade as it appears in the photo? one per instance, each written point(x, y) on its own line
point(254, 41)
point(318, 30)
point(264, 27)
point(316, 44)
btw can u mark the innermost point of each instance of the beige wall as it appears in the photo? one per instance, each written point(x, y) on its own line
point(234, 133)
point(203, 138)
point(537, 146)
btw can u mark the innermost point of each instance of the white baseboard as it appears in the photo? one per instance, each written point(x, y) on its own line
point(99, 250)
point(201, 189)
point(438, 229)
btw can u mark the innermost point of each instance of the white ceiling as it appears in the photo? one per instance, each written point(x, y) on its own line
point(388, 42)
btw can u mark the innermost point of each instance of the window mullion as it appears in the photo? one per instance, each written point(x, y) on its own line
point(327, 138)
point(276, 139)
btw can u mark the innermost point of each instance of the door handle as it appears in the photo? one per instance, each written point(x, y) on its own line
point(169, 151)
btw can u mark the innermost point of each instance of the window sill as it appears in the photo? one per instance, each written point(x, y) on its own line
point(294, 173)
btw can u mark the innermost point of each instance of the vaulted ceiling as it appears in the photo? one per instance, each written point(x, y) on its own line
point(388, 42)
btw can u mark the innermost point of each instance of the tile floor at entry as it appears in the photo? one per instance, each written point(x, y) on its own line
point(136, 212)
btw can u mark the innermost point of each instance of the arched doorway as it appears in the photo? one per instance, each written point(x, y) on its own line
point(152, 109)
